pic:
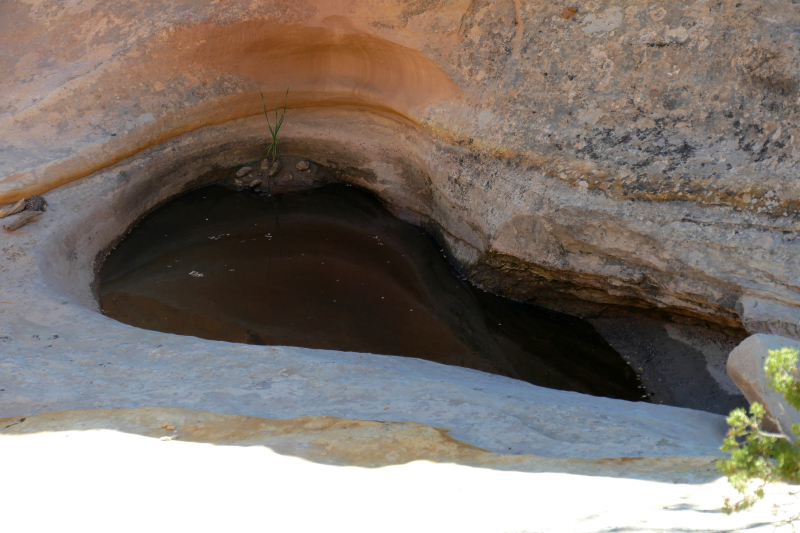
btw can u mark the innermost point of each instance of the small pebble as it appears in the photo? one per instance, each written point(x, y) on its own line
point(244, 171)
point(302, 165)
point(255, 183)
point(274, 169)
point(568, 12)
point(238, 183)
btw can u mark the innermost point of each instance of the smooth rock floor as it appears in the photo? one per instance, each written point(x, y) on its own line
point(112, 479)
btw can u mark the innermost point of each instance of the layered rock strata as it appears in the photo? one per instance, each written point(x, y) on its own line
point(640, 153)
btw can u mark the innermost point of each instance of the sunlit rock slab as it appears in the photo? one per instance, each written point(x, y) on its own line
point(746, 367)
point(91, 467)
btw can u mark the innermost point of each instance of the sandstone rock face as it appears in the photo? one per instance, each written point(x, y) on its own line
point(643, 154)
point(746, 367)
point(59, 353)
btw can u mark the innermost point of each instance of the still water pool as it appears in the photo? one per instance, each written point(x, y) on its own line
point(331, 268)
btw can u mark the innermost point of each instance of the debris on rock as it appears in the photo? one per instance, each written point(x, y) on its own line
point(13, 210)
point(168, 426)
point(23, 219)
point(36, 203)
point(244, 171)
point(254, 183)
point(568, 12)
point(274, 169)
point(302, 165)
point(238, 183)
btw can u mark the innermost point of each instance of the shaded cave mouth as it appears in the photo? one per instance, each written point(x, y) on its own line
point(327, 266)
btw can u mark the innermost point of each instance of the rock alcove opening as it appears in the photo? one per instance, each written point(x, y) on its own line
point(679, 363)
point(244, 260)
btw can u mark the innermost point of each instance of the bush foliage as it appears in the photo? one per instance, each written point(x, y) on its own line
point(759, 457)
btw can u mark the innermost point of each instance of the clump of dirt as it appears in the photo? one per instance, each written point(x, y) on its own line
point(36, 203)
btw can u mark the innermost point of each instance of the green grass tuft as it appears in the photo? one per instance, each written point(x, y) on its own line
point(272, 148)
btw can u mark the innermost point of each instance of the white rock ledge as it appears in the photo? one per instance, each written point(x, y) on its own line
point(57, 352)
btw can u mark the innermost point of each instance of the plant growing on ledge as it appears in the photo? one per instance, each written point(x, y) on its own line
point(757, 454)
point(272, 148)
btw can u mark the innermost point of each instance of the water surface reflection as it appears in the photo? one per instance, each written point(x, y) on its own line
point(331, 268)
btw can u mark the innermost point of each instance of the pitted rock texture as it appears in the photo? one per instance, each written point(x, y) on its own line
point(659, 101)
point(678, 117)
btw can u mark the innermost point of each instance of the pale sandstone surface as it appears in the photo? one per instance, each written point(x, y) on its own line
point(638, 152)
point(101, 470)
point(347, 442)
point(59, 353)
point(746, 367)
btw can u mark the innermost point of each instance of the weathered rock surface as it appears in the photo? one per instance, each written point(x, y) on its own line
point(59, 353)
point(643, 152)
point(234, 472)
point(347, 442)
point(746, 368)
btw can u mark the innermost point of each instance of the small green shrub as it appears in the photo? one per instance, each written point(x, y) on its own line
point(272, 148)
point(759, 457)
